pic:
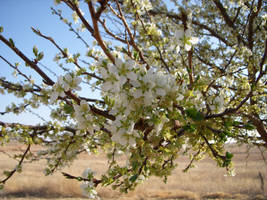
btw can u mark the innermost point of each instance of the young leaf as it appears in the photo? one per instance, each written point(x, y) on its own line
point(6, 173)
point(40, 56)
point(68, 109)
point(249, 126)
point(229, 155)
point(11, 42)
point(194, 114)
point(133, 178)
point(35, 51)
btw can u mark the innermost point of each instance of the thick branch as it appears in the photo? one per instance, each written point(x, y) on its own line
point(259, 126)
point(77, 10)
point(97, 35)
point(223, 11)
point(227, 18)
point(101, 9)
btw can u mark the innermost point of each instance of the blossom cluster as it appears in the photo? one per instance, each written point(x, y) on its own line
point(184, 38)
point(141, 6)
point(84, 117)
point(64, 84)
point(136, 90)
point(88, 185)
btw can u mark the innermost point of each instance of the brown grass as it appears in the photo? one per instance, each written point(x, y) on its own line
point(206, 181)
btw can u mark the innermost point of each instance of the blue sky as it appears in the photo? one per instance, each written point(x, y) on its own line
point(17, 17)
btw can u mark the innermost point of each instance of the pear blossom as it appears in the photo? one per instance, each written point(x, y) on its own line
point(185, 38)
point(112, 69)
point(103, 72)
point(137, 93)
point(148, 98)
point(88, 191)
point(64, 84)
point(87, 186)
point(132, 76)
point(160, 92)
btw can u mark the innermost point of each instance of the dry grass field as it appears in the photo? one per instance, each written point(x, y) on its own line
point(204, 182)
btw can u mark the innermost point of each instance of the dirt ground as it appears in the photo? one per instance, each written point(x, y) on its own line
point(204, 182)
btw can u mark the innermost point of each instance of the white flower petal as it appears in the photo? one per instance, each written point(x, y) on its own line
point(53, 96)
point(187, 47)
point(179, 34)
point(132, 76)
point(160, 92)
point(137, 93)
point(193, 40)
point(118, 62)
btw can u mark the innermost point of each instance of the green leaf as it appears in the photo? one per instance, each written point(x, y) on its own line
point(227, 160)
point(35, 51)
point(249, 126)
point(194, 114)
point(90, 52)
point(133, 178)
point(135, 165)
point(124, 50)
point(190, 128)
point(6, 173)
point(19, 168)
point(40, 56)
point(11, 42)
point(1, 29)
point(165, 179)
point(1, 186)
point(68, 109)
point(227, 133)
point(136, 55)
point(223, 136)
point(56, 2)
point(236, 123)
point(229, 155)
point(199, 116)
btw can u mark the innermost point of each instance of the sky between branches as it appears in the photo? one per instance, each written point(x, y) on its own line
point(17, 17)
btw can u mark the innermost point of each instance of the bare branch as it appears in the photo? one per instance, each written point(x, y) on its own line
point(97, 35)
point(11, 173)
point(46, 79)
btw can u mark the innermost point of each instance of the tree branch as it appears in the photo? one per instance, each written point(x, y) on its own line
point(46, 79)
point(96, 34)
point(227, 18)
point(11, 173)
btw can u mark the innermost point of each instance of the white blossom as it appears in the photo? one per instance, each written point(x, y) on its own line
point(64, 84)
